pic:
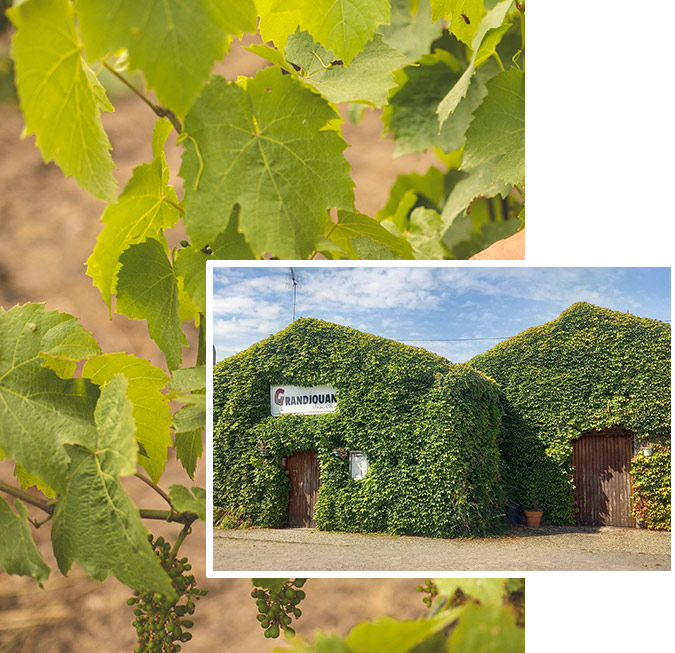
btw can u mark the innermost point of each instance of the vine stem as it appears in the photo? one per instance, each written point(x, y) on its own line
point(186, 530)
point(27, 498)
point(157, 109)
point(156, 488)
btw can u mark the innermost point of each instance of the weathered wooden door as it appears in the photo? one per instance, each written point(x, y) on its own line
point(601, 462)
point(303, 470)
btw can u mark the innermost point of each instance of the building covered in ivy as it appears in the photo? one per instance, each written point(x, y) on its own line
point(322, 425)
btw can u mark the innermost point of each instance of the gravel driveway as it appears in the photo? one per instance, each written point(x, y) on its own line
point(524, 549)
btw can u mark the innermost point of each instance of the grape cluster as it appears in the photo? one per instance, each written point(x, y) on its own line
point(277, 608)
point(431, 591)
point(161, 623)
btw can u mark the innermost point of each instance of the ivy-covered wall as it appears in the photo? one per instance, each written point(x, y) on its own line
point(428, 428)
point(591, 368)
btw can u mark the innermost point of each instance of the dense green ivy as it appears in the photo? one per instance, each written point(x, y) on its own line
point(651, 488)
point(428, 428)
point(591, 368)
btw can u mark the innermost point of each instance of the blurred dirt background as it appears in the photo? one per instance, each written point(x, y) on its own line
point(48, 227)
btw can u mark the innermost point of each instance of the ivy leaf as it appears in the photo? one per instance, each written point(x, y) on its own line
point(342, 26)
point(492, 20)
point(367, 79)
point(411, 116)
point(363, 237)
point(151, 409)
point(190, 264)
point(18, 553)
point(411, 31)
point(185, 500)
point(145, 208)
point(147, 290)
point(40, 412)
point(60, 97)
point(95, 522)
point(465, 16)
point(266, 148)
point(498, 129)
point(173, 42)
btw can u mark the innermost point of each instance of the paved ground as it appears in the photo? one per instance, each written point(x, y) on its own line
point(524, 549)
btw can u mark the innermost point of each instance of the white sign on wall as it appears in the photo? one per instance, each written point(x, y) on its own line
point(287, 399)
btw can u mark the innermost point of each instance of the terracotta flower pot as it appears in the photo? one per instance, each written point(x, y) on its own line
point(533, 517)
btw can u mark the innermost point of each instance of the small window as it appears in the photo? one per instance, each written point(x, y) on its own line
point(358, 464)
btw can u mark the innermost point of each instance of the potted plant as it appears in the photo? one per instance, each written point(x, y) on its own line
point(533, 513)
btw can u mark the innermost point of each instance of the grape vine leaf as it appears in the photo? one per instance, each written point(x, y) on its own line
point(189, 418)
point(425, 189)
point(465, 16)
point(188, 379)
point(95, 522)
point(411, 30)
point(27, 480)
point(40, 412)
point(145, 208)
point(488, 628)
point(341, 26)
point(492, 20)
point(60, 97)
point(185, 500)
point(271, 584)
point(173, 42)
point(477, 182)
point(188, 447)
point(360, 236)
point(367, 79)
point(393, 636)
point(266, 148)
point(498, 129)
point(425, 234)
point(18, 553)
point(151, 409)
point(190, 264)
point(147, 290)
point(485, 590)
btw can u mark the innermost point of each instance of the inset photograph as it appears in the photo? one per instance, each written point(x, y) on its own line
point(487, 418)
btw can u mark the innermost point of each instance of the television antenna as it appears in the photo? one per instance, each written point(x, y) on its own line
point(294, 281)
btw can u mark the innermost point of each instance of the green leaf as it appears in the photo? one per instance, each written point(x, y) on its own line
point(40, 412)
point(151, 410)
point(489, 628)
point(185, 500)
point(485, 590)
point(342, 26)
point(271, 584)
point(190, 264)
point(479, 182)
point(60, 97)
point(411, 116)
point(27, 480)
point(393, 636)
point(465, 16)
point(425, 234)
point(411, 31)
point(493, 20)
point(188, 379)
point(147, 290)
point(367, 79)
point(145, 208)
point(95, 522)
point(173, 42)
point(189, 449)
point(363, 237)
point(498, 129)
point(428, 188)
point(264, 147)
point(189, 418)
point(18, 553)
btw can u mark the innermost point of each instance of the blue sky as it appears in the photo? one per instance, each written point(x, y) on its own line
point(456, 312)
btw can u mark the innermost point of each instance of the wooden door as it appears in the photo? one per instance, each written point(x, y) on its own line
point(303, 470)
point(601, 462)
